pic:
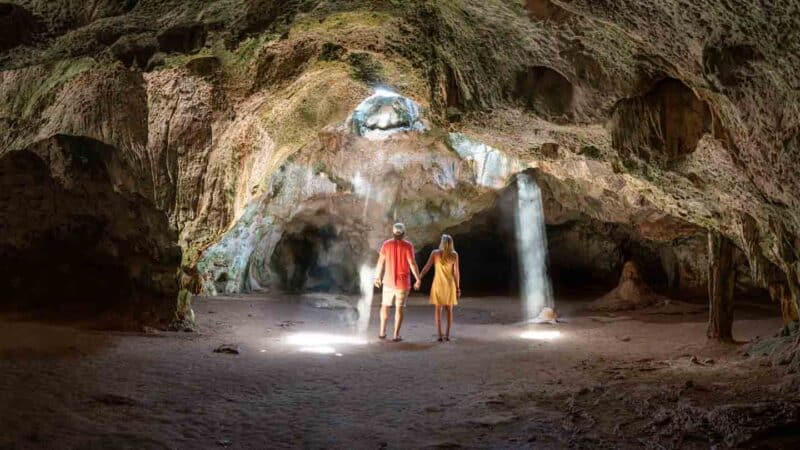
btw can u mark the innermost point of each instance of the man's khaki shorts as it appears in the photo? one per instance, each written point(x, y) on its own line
point(392, 296)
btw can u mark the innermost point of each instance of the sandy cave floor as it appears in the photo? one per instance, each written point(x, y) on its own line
point(606, 381)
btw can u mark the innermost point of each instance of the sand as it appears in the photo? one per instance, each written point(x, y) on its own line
point(605, 381)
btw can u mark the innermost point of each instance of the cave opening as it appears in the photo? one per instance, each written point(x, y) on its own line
point(72, 247)
point(587, 256)
point(319, 252)
point(487, 250)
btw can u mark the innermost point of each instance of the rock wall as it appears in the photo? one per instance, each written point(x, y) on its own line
point(662, 118)
point(74, 245)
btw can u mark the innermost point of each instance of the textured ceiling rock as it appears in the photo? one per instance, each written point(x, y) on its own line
point(662, 125)
point(666, 116)
point(546, 10)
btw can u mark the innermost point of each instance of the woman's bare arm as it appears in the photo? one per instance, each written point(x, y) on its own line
point(427, 265)
point(457, 273)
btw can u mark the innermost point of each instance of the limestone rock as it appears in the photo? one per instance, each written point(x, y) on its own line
point(631, 293)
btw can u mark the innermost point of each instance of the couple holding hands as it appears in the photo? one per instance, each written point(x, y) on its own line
point(397, 258)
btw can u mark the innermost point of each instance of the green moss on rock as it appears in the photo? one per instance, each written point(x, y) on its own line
point(365, 68)
point(31, 95)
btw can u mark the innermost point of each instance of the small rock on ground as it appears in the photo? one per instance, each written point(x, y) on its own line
point(228, 348)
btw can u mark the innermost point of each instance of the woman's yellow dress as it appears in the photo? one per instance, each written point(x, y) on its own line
point(443, 290)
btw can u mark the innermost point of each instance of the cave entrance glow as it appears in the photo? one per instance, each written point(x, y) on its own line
point(385, 113)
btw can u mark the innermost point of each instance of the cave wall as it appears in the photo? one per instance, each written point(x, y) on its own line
point(72, 246)
point(591, 252)
point(585, 255)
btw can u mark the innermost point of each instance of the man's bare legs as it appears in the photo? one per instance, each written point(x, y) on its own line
point(398, 320)
point(437, 316)
point(384, 318)
point(449, 322)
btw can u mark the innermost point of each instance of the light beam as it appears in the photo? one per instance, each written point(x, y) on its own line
point(532, 248)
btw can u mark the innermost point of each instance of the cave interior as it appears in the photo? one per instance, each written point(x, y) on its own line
point(192, 196)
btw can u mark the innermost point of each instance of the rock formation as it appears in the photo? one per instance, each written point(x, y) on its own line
point(632, 292)
point(225, 131)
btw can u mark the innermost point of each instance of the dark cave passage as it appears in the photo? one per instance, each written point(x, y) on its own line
point(487, 250)
point(72, 247)
point(319, 252)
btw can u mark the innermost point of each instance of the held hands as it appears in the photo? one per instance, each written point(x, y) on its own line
point(377, 282)
point(417, 285)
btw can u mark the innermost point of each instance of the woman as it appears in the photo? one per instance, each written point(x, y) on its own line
point(446, 282)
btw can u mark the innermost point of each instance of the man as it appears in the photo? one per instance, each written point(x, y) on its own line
point(397, 255)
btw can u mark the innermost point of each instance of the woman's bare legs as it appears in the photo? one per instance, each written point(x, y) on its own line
point(437, 316)
point(449, 322)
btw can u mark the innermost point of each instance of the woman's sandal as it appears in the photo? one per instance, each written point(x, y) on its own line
point(440, 339)
point(397, 339)
point(447, 338)
point(382, 337)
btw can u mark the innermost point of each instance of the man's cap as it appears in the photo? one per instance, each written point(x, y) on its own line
point(399, 228)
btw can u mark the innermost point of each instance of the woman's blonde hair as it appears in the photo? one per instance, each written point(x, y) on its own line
point(447, 247)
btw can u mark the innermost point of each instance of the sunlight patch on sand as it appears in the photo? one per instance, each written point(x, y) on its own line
point(322, 343)
point(541, 335)
point(321, 349)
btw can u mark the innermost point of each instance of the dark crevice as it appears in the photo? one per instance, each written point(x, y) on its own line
point(545, 91)
point(187, 38)
point(18, 26)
